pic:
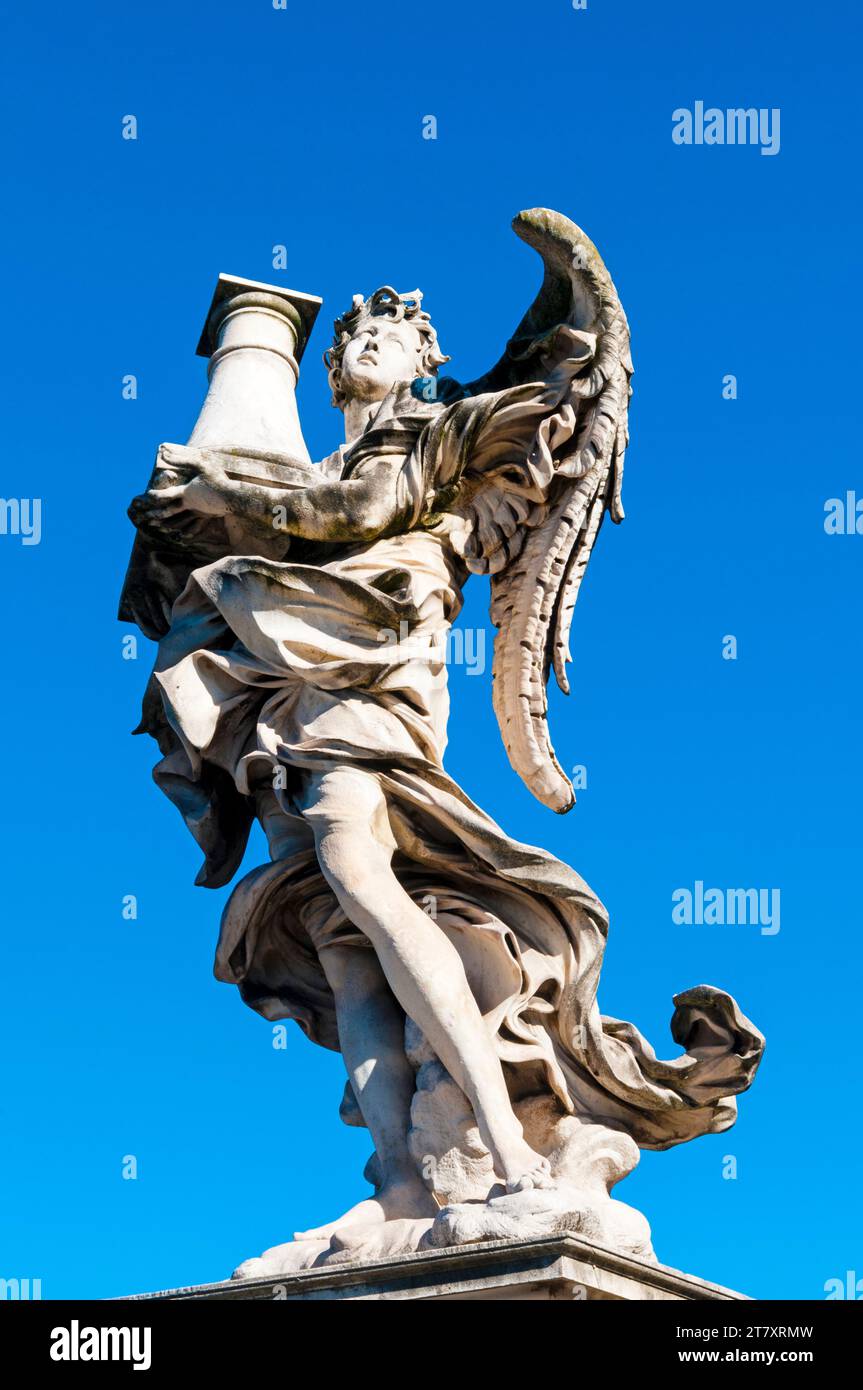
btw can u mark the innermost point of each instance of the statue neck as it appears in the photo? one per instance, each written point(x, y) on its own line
point(358, 415)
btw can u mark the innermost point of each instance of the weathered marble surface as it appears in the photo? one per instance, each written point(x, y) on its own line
point(302, 613)
point(563, 1268)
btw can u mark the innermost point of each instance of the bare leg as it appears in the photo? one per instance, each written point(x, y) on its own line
point(423, 969)
point(371, 1035)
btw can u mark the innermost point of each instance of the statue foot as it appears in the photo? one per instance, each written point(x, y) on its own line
point(290, 1258)
point(397, 1201)
point(525, 1170)
point(357, 1244)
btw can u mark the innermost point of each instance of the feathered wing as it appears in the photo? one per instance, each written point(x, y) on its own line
point(536, 544)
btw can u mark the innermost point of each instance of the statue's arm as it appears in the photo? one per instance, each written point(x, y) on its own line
point(348, 509)
point(353, 509)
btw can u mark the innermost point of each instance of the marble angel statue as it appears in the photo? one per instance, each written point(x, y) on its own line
point(303, 683)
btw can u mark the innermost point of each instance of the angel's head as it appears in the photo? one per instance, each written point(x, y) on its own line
point(381, 341)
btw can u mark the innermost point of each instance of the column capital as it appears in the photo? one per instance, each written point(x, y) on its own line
point(299, 309)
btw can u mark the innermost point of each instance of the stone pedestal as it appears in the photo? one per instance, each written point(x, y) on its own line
point(562, 1267)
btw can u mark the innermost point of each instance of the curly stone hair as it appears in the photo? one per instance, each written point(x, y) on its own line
point(384, 303)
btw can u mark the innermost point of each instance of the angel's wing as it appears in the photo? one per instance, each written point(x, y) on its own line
point(536, 549)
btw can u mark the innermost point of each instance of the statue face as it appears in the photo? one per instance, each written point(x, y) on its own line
point(380, 353)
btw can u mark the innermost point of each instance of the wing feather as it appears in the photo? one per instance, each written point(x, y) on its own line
point(537, 552)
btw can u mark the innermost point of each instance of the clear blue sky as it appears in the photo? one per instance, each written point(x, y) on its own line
point(303, 127)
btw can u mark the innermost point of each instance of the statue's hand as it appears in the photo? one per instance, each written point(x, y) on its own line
point(180, 508)
point(211, 492)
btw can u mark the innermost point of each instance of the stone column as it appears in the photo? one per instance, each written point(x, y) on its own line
point(254, 337)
